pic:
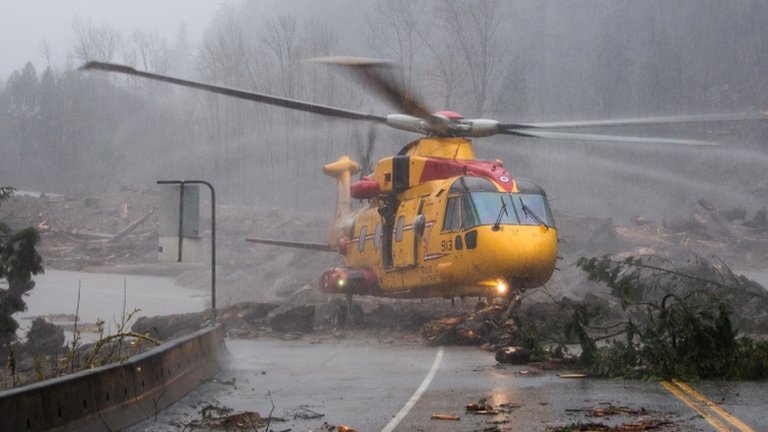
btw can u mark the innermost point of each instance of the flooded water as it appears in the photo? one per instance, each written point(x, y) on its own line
point(106, 296)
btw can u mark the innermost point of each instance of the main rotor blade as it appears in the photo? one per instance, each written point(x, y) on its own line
point(242, 94)
point(723, 117)
point(605, 138)
point(378, 73)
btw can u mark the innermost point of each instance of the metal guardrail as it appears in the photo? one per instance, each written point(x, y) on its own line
point(115, 396)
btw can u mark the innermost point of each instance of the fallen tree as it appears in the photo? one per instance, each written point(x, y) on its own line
point(692, 321)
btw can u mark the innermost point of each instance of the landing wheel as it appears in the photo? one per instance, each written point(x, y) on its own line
point(340, 315)
point(356, 315)
point(482, 303)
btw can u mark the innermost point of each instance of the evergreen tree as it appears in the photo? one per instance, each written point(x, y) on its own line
point(19, 261)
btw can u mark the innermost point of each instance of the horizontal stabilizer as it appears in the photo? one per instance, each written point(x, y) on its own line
point(294, 244)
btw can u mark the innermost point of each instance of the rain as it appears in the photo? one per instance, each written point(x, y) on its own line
point(94, 145)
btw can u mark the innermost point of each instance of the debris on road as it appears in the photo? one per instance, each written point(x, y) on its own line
point(213, 416)
point(607, 409)
point(610, 409)
point(513, 355)
point(573, 376)
point(327, 427)
point(481, 407)
point(446, 417)
point(624, 427)
point(304, 413)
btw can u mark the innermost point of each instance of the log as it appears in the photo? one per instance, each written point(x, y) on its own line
point(88, 235)
point(132, 226)
point(446, 417)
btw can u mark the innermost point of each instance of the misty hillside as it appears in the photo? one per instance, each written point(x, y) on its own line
point(67, 131)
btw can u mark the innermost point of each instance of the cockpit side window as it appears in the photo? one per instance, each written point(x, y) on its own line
point(452, 221)
point(469, 214)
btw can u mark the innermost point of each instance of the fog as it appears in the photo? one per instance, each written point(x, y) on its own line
point(40, 31)
point(68, 131)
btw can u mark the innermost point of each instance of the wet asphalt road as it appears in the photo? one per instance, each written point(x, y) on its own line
point(381, 386)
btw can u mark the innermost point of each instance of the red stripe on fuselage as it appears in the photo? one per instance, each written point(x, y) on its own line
point(436, 169)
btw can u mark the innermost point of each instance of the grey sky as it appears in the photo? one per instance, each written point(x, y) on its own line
point(25, 24)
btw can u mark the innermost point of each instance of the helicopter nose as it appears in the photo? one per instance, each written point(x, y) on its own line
point(525, 255)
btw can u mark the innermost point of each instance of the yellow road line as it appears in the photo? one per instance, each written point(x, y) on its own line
point(717, 424)
point(705, 407)
point(714, 407)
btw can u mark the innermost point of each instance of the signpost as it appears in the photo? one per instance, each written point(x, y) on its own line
point(179, 229)
point(179, 224)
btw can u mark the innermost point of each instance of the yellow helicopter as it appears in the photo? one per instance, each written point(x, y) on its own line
point(437, 222)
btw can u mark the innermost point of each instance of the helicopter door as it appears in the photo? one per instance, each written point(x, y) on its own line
point(419, 224)
point(403, 236)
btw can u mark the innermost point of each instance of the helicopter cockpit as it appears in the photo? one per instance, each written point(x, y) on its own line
point(475, 201)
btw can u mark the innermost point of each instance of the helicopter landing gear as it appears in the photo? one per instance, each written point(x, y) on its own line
point(348, 313)
point(482, 303)
point(512, 302)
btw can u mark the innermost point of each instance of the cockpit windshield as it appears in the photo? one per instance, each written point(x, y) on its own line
point(484, 208)
point(467, 209)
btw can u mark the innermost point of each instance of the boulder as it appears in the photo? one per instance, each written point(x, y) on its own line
point(297, 319)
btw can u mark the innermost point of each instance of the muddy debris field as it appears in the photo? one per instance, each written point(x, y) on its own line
point(267, 288)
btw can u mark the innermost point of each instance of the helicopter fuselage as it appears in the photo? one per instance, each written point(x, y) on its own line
point(438, 223)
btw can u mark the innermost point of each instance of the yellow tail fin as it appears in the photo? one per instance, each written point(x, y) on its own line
point(342, 170)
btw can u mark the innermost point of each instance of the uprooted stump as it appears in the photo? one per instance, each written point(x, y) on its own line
point(486, 326)
point(442, 331)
